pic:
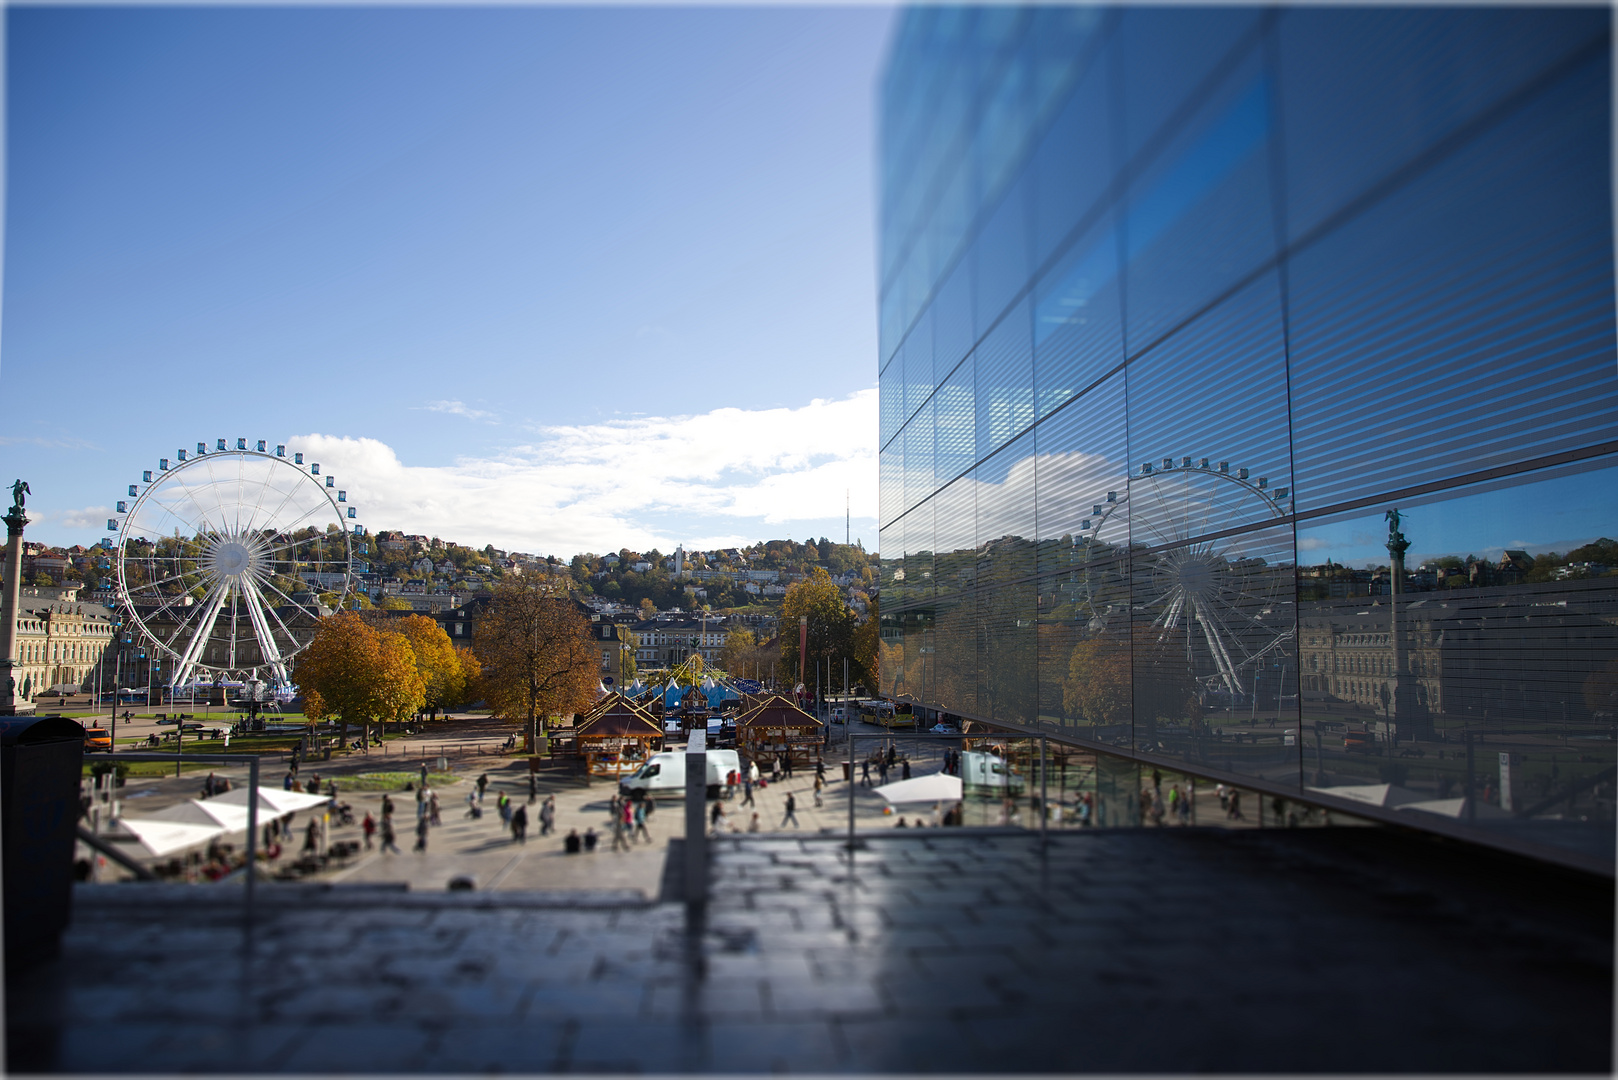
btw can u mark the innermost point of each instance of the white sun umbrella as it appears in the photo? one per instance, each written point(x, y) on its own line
point(167, 837)
point(933, 788)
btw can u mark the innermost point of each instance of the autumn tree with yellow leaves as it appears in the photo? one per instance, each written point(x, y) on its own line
point(357, 674)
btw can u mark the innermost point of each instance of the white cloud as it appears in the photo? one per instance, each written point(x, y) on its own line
point(703, 480)
point(460, 408)
point(89, 517)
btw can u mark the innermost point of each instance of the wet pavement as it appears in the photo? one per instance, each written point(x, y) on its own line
point(959, 950)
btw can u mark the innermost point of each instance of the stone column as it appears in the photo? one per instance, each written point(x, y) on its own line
point(1405, 707)
point(10, 705)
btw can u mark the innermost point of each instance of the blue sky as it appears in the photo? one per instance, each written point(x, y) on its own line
point(550, 278)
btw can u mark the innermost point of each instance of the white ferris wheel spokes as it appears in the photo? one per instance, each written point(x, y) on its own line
point(1198, 576)
point(221, 558)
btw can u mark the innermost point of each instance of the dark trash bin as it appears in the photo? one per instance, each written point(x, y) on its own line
point(41, 758)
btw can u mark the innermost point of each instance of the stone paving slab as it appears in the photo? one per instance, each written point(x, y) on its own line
point(1122, 951)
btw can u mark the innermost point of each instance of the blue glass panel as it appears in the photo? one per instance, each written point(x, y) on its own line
point(1005, 381)
point(1365, 90)
point(1215, 392)
point(952, 317)
point(954, 421)
point(891, 482)
point(1000, 252)
point(1466, 321)
point(919, 457)
point(891, 395)
point(1201, 217)
point(1487, 692)
point(918, 362)
point(1082, 457)
point(1078, 327)
point(1060, 45)
point(1166, 53)
point(1002, 133)
point(1073, 164)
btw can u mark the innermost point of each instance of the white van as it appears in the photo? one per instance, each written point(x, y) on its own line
point(981, 770)
point(664, 775)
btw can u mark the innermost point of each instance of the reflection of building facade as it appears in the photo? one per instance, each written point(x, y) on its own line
point(1154, 283)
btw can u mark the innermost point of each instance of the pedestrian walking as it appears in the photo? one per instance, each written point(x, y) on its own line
point(519, 824)
point(547, 816)
point(882, 769)
point(1235, 811)
point(424, 774)
point(311, 839)
point(473, 810)
point(904, 767)
point(865, 773)
point(752, 771)
point(387, 806)
point(503, 804)
point(820, 769)
point(421, 835)
point(368, 827)
point(483, 782)
point(818, 786)
point(786, 765)
point(629, 817)
point(713, 815)
point(432, 808)
point(421, 803)
point(640, 823)
point(747, 791)
point(792, 811)
point(389, 840)
point(533, 785)
point(619, 840)
point(286, 781)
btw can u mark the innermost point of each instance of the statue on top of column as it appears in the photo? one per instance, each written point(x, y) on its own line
point(19, 491)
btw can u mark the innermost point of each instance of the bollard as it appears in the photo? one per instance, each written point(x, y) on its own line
point(696, 817)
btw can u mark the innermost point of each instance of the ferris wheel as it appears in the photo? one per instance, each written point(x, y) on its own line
point(221, 558)
point(1199, 575)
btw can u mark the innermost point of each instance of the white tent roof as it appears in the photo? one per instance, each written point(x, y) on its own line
point(1388, 795)
point(205, 812)
point(1456, 808)
point(167, 837)
point(935, 787)
point(271, 801)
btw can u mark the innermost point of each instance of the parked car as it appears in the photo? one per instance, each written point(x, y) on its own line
point(944, 729)
point(97, 738)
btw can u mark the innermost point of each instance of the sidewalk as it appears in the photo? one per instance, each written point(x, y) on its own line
point(1144, 950)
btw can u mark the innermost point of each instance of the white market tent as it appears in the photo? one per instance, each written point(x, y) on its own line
point(933, 788)
point(168, 837)
point(196, 821)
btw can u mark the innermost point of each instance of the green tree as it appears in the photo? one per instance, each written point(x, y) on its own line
point(831, 626)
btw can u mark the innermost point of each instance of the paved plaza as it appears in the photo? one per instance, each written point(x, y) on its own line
point(950, 950)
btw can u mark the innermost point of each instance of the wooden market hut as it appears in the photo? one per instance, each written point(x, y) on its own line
point(616, 736)
point(775, 725)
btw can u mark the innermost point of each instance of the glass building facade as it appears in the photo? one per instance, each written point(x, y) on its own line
point(1249, 400)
